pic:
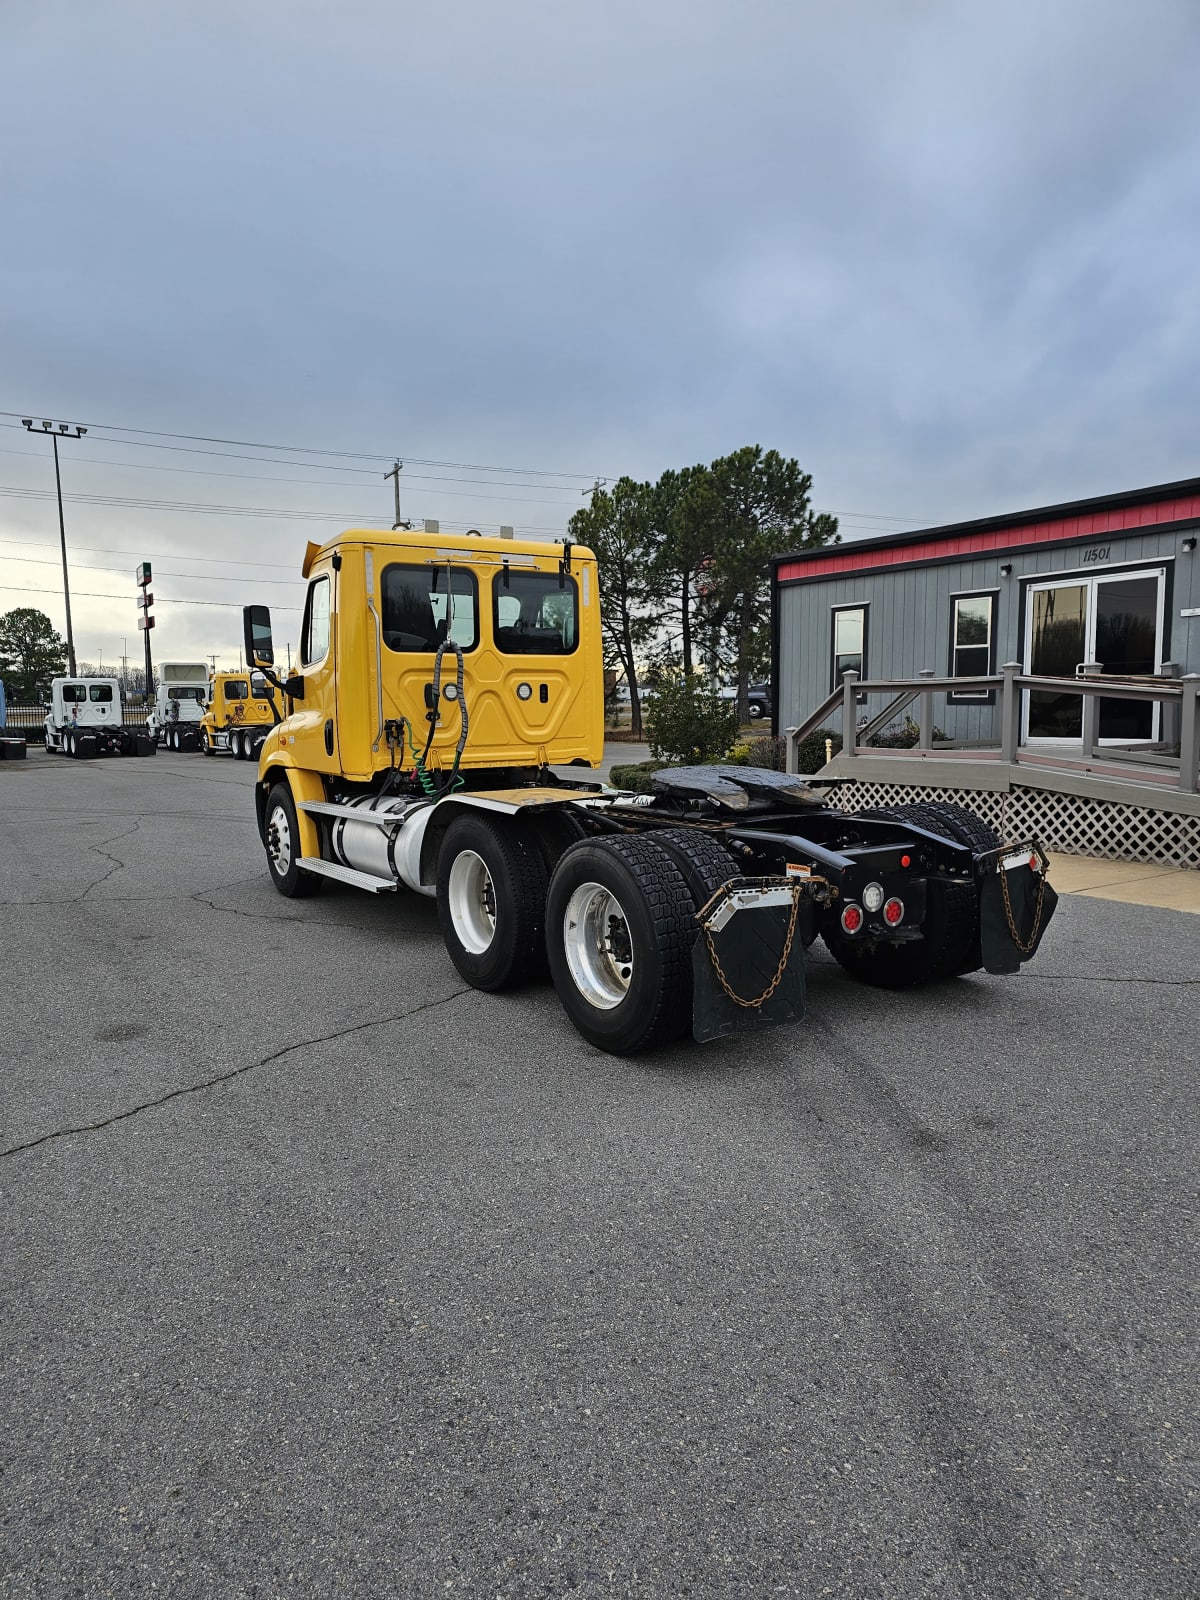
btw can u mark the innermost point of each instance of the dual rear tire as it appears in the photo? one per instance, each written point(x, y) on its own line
point(615, 925)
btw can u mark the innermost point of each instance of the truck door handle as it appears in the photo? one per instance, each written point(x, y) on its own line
point(329, 737)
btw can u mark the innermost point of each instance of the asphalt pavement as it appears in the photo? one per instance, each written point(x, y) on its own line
point(325, 1275)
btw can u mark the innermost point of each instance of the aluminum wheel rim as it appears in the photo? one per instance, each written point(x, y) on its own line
point(597, 946)
point(279, 842)
point(472, 900)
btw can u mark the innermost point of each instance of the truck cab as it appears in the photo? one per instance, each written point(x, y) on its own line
point(240, 711)
point(86, 718)
point(179, 702)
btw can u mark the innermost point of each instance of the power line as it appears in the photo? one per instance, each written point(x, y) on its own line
point(308, 450)
point(227, 605)
point(261, 477)
point(143, 553)
point(210, 508)
point(192, 577)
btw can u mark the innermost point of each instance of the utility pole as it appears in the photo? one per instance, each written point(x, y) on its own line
point(64, 432)
point(395, 475)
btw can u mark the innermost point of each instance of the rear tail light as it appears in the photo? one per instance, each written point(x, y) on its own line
point(852, 919)
point(893, 912)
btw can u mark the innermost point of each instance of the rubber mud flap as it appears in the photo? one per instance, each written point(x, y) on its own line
point(1031, 901)
point(748, 948)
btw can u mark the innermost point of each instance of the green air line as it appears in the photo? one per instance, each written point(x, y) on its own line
point(424, 778)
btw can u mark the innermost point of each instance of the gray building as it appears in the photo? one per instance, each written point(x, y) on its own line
point(1113, 581)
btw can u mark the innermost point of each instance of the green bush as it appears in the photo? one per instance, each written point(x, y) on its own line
point(812, 749)
point(688, 722)
point(635, 776)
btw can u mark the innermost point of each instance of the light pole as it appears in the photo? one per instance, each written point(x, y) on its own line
point(64, 432)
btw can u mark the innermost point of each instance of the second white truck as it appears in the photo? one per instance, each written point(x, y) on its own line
point(179, 701)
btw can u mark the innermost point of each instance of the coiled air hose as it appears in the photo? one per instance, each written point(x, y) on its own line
point(424, 776)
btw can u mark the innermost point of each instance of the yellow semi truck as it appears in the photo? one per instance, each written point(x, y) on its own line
point(239, 713)
point(442, 679)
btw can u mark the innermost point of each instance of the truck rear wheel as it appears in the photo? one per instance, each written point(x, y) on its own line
point(491, 902)
point(941, 816)
point(283, 847)
point(620, 929)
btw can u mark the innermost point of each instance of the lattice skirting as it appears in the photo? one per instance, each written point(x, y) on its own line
point(1071, 823)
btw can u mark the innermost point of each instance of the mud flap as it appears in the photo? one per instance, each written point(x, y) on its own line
point(1016, 903)
point(749, 949)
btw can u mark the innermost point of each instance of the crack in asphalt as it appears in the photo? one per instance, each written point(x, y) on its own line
point(234, 1072)
point(117, 863)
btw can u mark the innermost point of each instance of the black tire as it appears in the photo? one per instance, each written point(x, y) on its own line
point(491, 903)
point(282, 839)
point(51, 747)
point(69, 745)
point(205, 743)
point(173, 741)
point(619, 934)
point(704, 861)
point(235, 745)
point(938, 816)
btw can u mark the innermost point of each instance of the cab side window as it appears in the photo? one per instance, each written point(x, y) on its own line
point(237, 689)
point(314, 638)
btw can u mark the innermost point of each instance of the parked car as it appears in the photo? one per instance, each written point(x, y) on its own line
point(760, 699)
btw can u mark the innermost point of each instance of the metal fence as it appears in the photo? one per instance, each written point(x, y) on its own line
point(29, 719)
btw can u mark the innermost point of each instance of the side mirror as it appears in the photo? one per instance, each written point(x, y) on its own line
point(256, 622)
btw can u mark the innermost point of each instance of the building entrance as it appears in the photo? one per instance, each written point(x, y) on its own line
point(1116, 620)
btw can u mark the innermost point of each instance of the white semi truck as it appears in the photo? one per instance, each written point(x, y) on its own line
point(179, 701)
point(86, 719)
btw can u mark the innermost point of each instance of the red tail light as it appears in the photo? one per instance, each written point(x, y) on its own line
point(893, 912)
point(852, 919)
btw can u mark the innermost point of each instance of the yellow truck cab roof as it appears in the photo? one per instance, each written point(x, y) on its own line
point(432, 545)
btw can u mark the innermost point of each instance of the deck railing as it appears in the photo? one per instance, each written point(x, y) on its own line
point(1178, 696)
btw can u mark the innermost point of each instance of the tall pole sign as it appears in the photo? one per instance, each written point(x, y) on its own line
point(145, 621)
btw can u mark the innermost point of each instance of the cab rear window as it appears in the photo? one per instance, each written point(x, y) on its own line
point(535, 613)
point(422, 606)
point(100, 692)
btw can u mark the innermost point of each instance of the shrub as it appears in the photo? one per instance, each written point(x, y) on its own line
point(689, 722)
point(812, 749)
point(636, 776)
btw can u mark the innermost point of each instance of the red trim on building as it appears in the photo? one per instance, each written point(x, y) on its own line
point(1090, 524)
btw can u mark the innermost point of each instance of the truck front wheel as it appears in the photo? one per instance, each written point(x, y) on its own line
point(620, 928)
point(283, 847)
point(491, 900)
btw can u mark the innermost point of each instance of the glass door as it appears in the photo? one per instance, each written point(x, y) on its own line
point(1056, 644)
point(1116, 621)
point(1126, 633)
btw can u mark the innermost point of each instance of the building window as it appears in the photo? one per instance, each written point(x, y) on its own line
point(849, 642)
point(973, 642)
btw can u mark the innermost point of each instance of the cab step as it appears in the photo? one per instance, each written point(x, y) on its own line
point(360, 880)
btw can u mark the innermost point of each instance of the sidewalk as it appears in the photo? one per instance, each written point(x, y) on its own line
point(1133, 882)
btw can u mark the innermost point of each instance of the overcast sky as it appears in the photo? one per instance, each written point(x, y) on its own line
point(945, 254)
